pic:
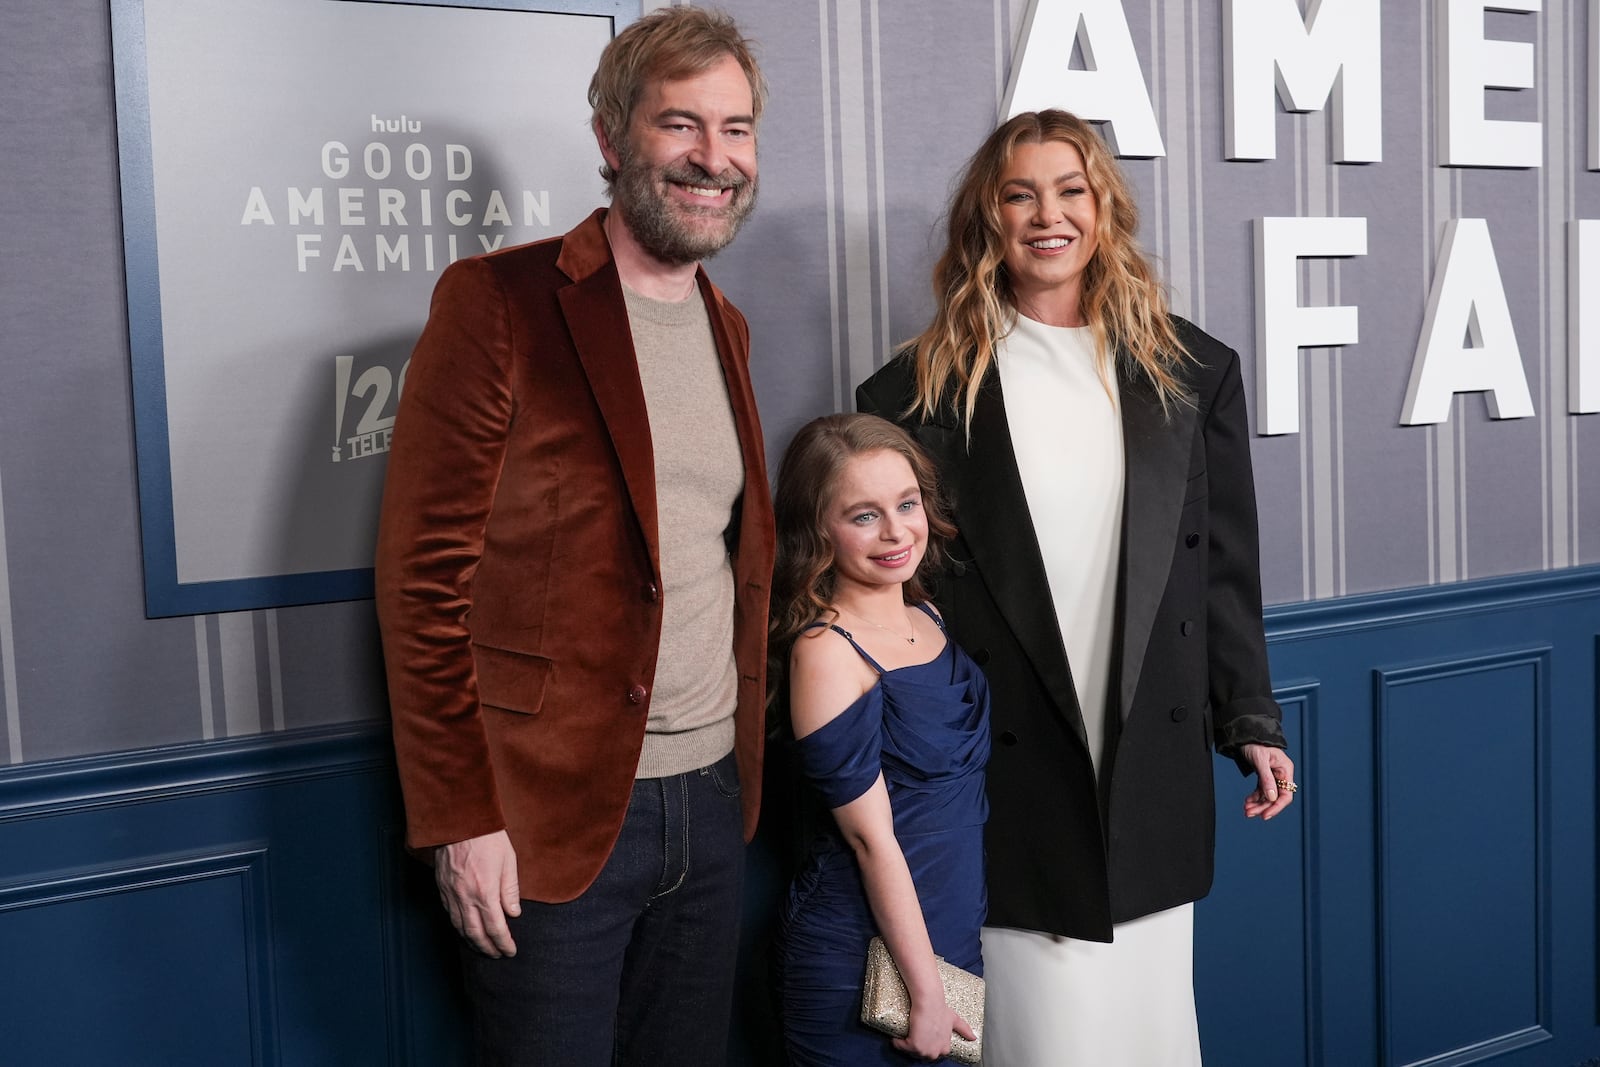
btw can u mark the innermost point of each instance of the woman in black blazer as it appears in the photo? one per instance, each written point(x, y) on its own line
point(1106, 576)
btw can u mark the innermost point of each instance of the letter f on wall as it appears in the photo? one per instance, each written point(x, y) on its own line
point(1111, 89)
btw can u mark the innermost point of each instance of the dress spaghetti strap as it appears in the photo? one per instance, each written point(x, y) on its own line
point(848, 636)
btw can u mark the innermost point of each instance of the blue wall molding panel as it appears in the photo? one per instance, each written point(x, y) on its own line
point(1430, 898)
point(233, 902)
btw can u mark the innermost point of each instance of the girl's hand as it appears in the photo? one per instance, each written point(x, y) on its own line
point(931, 1026)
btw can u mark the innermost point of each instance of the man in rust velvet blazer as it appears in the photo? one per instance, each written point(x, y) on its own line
point(577, 456)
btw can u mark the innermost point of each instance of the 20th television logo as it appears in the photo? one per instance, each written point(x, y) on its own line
point(371, 397)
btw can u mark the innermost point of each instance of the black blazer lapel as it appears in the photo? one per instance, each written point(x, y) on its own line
point(997, 528)
point(1156, 446)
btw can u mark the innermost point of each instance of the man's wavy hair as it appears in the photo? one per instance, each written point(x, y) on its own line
point(665, 45)
point(803, 579)
point(1123, 303)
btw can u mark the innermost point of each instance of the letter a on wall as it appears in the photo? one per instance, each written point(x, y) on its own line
point(1108, 88)
point(1468, 303)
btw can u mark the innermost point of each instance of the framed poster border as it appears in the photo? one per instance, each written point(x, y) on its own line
point(165, 595)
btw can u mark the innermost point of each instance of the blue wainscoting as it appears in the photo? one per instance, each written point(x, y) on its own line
point(1431, 898)
point(238, 902)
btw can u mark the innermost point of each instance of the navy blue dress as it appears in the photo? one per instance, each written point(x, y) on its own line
point(926, 728)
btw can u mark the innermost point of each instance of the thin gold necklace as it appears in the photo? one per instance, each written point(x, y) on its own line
point(879, 626)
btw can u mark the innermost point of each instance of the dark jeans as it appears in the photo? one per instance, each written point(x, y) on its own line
point(639, 969)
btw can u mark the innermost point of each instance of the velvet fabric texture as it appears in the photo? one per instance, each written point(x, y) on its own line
point(518, 572)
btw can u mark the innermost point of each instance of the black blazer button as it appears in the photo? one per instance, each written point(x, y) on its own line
point(980, 656)
point(1007, 737)
point(1186, 628)
point(636, 695)
point(1180, 713)
point(1192, 540)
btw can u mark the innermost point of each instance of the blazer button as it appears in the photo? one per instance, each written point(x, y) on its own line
point(1186, 628)
point(1192, 540)
point(1180, 713)
point(1007, 737)
point(652, 592)
point(980, 656)
point(636, 695)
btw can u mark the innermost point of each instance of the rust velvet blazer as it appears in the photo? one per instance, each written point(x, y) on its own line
point(518, 570)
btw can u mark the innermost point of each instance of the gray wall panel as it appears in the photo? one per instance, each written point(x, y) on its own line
point(875, 105)
point(91, 673)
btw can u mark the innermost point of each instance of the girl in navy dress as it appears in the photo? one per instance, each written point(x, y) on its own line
point(890, 721)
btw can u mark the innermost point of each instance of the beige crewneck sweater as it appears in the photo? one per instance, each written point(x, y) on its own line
point(699, 477)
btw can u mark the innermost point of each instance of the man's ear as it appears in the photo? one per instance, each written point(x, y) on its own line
point(607, 152)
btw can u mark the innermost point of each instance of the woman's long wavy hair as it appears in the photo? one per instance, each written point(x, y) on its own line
point(803, 578)
point(1122, 301)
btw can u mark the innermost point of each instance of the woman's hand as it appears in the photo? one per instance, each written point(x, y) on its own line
point(1275, 785)
point(932, 1023)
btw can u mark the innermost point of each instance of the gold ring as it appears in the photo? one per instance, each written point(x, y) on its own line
point(1283, 783)
point(1289, 787)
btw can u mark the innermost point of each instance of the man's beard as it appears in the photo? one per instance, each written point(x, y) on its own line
point(664, 226)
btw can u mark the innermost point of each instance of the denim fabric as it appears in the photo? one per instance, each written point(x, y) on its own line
point(639, 968)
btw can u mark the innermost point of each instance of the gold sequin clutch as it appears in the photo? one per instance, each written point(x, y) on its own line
point(886, 1006)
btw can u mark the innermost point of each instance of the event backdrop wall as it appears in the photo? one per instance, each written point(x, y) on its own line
point(209, 772)
point(874, 106)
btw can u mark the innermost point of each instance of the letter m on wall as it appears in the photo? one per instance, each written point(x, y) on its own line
point(1333, 53)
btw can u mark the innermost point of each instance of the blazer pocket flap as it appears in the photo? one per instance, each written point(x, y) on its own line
point(514, 681)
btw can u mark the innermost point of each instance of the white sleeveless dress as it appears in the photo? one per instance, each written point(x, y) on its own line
point(1057, 1001)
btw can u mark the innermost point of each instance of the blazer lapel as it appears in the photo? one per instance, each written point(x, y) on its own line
point(598, 321)
point(741, 397)
point(997, 528)
point(1156, 445)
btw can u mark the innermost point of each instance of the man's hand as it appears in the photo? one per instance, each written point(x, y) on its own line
point(478, 883)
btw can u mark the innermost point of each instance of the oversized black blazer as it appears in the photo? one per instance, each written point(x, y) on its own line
point(1189, 666)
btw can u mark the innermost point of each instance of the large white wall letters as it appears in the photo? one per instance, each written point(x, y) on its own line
point(1111, 89)
point(1583, 316)
point(1469, 63)
point(1330, 55)
point(1467, 304)
point(1334, 53)
point(1283, 327)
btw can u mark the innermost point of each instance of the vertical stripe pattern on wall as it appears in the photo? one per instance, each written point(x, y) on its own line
point(269, 621)
point(1176, 170)
point(856, 278)
point(1440, 203)
point(1195, 152)
point(241, 701)
point(230, 650)
point(1556, 206)
point(1321, 442)
point(1002, 34)
point(202, 656)
point(8, 651)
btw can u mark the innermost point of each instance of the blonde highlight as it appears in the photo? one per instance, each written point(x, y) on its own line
point(1123, 302)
